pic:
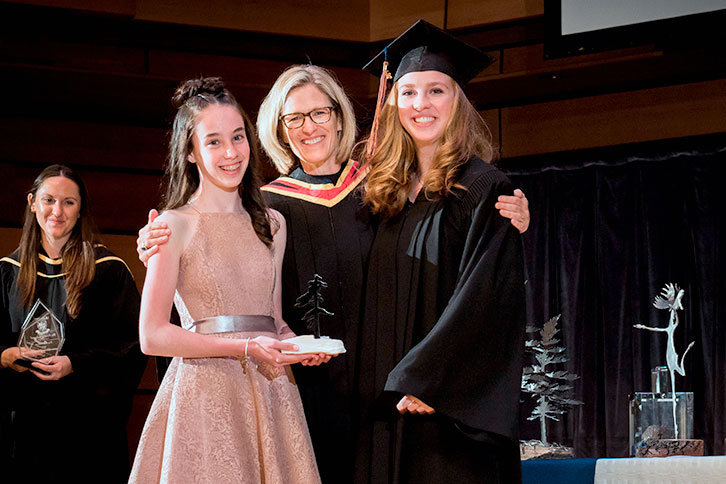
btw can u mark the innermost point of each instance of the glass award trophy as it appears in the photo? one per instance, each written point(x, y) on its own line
point(41, 336)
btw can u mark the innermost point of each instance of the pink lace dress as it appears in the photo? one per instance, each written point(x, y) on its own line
point(212, 421)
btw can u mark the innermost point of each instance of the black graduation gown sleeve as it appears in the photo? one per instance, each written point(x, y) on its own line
point(468, 367)
point(103, 341)
point(7, 340)
point(7, 276)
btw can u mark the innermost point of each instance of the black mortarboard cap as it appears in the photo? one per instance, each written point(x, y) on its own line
point(424, 47)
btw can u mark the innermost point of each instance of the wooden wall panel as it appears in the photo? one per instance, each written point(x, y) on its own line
point(74, 143)
point(88, 96)
point(326, 18)
point(118, 7)
point(124, 246)
point(356, 20)
point(491, 117)
point(613, 119)
point(530, 58)
point(243, 74)
point(123, 199)
point(35, 49)
point(256, 73)
point(388, 19)
point(9, 240)
point(491, 71)
point(467, 13)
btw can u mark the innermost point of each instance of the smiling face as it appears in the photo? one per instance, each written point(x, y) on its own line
point(313, 144)
point(425, 103)
point(219, 146)
point(57, 207)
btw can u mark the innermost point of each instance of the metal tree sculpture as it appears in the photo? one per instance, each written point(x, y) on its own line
point(551, 388)
point(671, 299)
point(314, 301)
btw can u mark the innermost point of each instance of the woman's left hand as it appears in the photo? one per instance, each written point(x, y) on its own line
point(411, 404)
point(317, 359)
point(515, 208)
point(57, 367)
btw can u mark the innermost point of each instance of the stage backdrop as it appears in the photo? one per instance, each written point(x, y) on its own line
point(609, 229)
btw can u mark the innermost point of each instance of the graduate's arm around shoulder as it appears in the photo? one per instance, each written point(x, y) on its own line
point(151, 236)
point(516, 208)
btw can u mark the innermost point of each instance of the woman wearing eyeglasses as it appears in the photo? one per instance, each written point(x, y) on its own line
point(307, 127)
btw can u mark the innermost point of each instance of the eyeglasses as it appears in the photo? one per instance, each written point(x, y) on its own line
point(317, 115)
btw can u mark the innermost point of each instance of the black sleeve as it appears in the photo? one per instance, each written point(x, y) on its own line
point(103, 342)
point(8, 338)
point(469, 365)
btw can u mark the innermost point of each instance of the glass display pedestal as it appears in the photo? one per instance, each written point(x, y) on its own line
point(651, 419)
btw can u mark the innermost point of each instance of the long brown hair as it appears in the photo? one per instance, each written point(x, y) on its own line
point(394, 162)
point(182, 177)
point(79, 261)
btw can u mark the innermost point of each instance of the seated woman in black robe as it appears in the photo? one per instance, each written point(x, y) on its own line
point(64, 418)
point(443, 333)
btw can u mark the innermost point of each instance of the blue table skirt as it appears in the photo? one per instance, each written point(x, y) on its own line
point(558, 471)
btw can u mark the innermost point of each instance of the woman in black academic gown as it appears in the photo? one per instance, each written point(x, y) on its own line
point(443, 333)
point(307, 127)
point(64, 418)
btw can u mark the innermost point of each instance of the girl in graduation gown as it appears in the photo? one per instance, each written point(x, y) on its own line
point(65, 417)
point(445, 312)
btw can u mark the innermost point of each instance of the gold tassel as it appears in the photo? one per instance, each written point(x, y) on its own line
point(372, 141)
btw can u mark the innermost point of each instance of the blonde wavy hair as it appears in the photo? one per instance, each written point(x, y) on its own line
point(269, 126)
point(393, 164)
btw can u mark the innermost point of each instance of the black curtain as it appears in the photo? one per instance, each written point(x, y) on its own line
point(609, 229)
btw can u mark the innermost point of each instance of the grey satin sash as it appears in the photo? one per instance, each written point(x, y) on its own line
point(235, 324)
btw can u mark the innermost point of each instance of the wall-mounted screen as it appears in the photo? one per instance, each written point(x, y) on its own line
point(584, 26)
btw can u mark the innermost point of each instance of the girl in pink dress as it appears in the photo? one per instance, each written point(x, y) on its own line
point(228, 410)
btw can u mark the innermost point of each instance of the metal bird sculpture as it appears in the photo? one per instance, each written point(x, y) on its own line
point(670, 299)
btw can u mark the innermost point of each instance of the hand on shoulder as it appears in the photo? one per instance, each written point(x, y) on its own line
point(180, 222)
point(516, 208)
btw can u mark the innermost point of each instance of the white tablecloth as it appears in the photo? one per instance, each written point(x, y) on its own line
point(661, 470)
